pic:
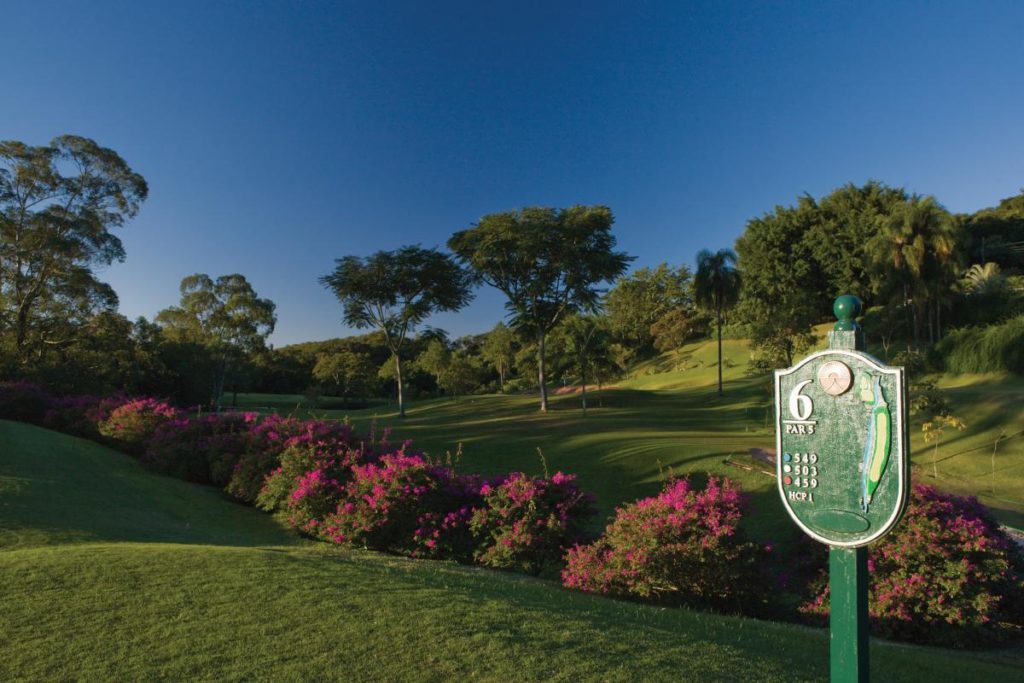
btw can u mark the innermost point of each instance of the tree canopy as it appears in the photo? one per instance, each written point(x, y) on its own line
point(548, 262)
point(716, 287)
point(640, 300)
point(225, 315)
point(58, 205)
point(395, 291)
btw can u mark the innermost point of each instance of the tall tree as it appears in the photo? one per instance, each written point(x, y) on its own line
point(395, 291)
point(548, 262)
point(644, 297)
point(58, 205)
point(435, 359)
point(915, 253)
point(841, 226)
point(784, 289)
point(716, 288)
point(586, 338)
point(498, 351)
point(224, 315)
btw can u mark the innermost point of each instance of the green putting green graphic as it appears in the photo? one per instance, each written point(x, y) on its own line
point(878, 444)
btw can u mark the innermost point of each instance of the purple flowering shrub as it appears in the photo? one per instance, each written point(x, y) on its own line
point(131, 424)
point(308, 484)
point(268, 438)
point(527, 523)
point(945, 575)
point(382, 504)
point(81, 415)
point(680, 547)
point(24, 402)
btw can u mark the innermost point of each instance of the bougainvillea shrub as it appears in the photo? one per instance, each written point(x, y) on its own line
point(309, 483)
point(945, 575)
point(131, 424)
point(444, 529)
point(384, 501)
point(24, 402)
point(176, 449)
point(268, 438)
point(681, 547)
point(527, 523)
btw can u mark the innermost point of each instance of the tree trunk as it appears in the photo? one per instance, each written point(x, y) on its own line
point(540, 373)
point(398, 379)
point(906, 307)
point(718, 312)
point(501, 376)
point(218, 384)
point(583, 373)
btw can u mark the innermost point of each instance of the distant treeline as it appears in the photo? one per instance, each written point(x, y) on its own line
point(942, 290)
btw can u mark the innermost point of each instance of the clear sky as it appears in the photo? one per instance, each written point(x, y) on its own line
point(278, 136)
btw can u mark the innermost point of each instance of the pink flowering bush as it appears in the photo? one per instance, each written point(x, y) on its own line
point(131, 424)
point(384, 501)
point(680, 547)
point(946, 575)
point(268, 438)
point(80, 415)
point(527, 523)
point(308, 484)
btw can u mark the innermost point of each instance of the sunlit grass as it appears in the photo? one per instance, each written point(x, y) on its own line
point(112, 573)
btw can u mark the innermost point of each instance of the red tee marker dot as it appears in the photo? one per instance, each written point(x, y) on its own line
point(787, 480)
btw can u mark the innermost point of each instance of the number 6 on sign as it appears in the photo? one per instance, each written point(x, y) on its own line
point(800, 406)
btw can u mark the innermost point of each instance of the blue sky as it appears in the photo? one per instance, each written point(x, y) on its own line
point(278, 136)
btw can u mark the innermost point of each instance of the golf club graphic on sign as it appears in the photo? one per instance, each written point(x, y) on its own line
point(841, 443)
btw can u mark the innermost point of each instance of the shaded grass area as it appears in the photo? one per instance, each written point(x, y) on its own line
point(58, 489)
point(180, 584)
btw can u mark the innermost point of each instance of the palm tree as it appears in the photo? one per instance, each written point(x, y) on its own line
point(983, 279)
point(716, 288)
point(915, 248)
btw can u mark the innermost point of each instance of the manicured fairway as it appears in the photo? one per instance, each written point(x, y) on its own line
point(668, 415)
point(111, 573)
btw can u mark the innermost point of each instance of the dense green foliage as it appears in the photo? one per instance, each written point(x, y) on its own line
point(226, 317)
point(58, 205)
point(395, 291)
point(547, 262)
point(993, 348)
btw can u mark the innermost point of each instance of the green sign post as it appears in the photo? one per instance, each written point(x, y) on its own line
point(843, 469)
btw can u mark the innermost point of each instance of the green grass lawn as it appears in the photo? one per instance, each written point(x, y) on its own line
point(668, 416)
point(111, 573)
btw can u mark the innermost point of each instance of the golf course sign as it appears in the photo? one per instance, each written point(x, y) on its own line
point(841, 441)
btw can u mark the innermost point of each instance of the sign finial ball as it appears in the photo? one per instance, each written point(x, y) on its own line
point(846, 307)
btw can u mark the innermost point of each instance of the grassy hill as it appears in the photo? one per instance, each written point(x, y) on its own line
point(667, 414)
point(112, 573)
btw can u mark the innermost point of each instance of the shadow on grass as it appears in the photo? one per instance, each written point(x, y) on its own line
point(60, 489)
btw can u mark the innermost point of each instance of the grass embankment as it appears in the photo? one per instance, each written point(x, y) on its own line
point(668, 415)
point(111, 573)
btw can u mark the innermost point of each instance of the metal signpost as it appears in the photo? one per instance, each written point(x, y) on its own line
point(843, 469)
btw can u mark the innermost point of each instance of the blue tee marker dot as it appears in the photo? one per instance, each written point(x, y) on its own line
point(787, 457)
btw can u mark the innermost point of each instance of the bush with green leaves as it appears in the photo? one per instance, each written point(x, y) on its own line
point(991, 348)
point(131, 424)
point(946, 575)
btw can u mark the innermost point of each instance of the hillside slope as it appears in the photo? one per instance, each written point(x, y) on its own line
point(110, 573)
